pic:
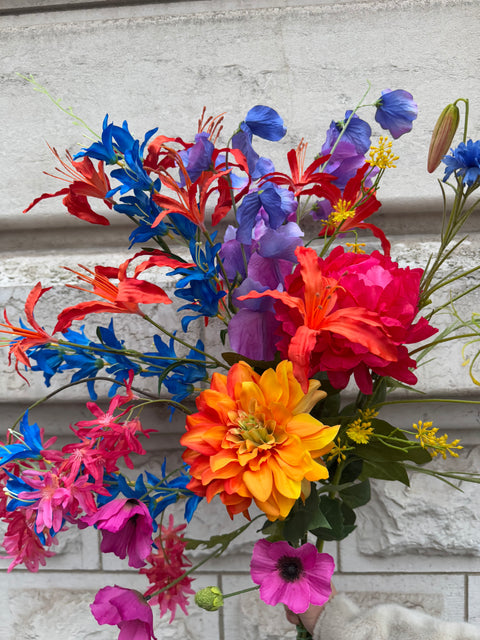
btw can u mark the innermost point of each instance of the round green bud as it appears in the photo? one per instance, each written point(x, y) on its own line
point(209, 598)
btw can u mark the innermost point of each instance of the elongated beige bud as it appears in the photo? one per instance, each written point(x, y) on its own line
point(442, 136)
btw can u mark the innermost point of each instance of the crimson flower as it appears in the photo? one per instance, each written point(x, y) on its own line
point(84, 181)
point(349, 313)
point(168, 565)
point(310, 318)
point(351, 207)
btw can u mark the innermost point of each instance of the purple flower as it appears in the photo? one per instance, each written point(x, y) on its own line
point(265, 123)
point(464, 161)
point(357, 132)
point(127, 609)
point(257, 166)
point(296, 577)
point(396, 111)
point(126, 526)
point(198, 157)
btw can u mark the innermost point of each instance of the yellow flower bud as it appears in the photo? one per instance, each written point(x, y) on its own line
point(442, 136)
point(209, 598)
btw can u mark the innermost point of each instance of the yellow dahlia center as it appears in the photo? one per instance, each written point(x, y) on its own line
point(252, 429)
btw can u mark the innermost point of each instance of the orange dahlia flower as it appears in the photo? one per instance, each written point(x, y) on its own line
point(253, 438)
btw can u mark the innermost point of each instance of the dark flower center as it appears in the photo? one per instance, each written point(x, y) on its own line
point(290, 568)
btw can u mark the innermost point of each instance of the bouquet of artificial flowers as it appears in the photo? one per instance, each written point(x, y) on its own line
point(300, 317)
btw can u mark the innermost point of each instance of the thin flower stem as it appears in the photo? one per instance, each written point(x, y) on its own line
point(237, 593)
point(183, 342)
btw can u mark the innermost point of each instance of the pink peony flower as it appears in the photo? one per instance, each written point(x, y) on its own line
point(127, 528)
point(127, 609)
point(296, 577)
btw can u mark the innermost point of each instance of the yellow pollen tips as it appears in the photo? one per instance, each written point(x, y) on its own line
point(355, 247)
point(427, 436)
point(382, 156)
point(342, 210)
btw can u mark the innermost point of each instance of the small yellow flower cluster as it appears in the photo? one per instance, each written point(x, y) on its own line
point(342, 210)
point(355, 247)
point(427, 436)
point(382, 156)
point(361, 429)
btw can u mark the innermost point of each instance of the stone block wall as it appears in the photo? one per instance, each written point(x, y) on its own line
point(158, 64)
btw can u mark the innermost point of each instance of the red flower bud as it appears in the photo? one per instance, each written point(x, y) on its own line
point(442, 136)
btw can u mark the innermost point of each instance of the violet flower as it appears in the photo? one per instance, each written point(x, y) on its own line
point(396, 111)
point(296, 577)
point(127, 609)
point(126, 526)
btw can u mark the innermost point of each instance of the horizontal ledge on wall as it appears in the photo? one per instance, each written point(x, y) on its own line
point(39, 232)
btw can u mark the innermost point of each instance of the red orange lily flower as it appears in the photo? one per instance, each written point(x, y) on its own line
point(122, 298)
point(301, 178)
point(24, 338)
point(84, 182)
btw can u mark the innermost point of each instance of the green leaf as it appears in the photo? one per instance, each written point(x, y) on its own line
point(340, 517)
point(384, 470)
point(357, 495)
point(232, 358)
point(304, 517)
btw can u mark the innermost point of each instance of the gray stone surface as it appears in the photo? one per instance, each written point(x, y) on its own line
point(158, 63)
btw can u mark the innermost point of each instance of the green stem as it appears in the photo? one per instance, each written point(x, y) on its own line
point(237, 593)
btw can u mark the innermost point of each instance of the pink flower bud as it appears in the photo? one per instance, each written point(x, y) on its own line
point(442, 136)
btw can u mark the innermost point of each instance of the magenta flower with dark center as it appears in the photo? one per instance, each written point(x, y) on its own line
point(127, 529)
point(296, 577)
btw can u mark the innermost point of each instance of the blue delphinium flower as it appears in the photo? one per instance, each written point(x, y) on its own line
point(180, 378)
point(265, 123)
point(29, 446)
point(198, 284)
point(464, 161)
point(141, 208)
point(396, 111)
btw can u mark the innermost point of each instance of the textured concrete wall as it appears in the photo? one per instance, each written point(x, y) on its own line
point(157, 64)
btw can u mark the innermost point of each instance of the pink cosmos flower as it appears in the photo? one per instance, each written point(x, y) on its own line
point(296, 577)
point(127, 529)
point(57, 497)
point(168, 564)
point(127, 609)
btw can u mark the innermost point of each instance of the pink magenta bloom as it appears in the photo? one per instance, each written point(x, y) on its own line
point(127, 529)
point(125, 608)
point(296, 577)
